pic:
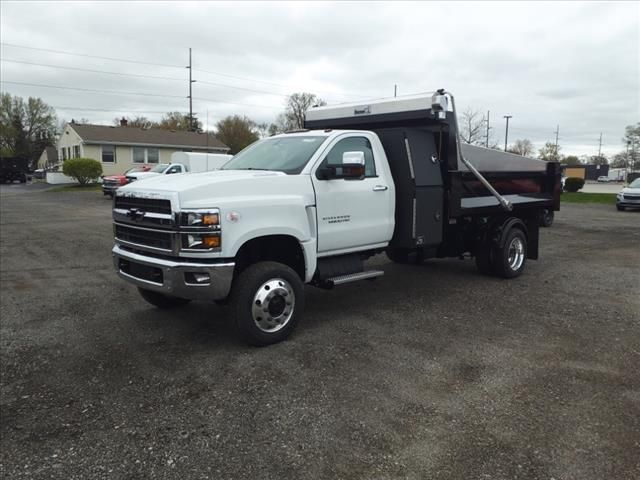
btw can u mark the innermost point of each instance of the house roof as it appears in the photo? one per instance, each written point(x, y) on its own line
point(156, 137)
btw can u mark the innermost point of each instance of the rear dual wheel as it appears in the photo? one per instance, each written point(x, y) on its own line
point(507, 261)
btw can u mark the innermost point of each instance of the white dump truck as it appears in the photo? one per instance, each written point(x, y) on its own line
point(309, 207)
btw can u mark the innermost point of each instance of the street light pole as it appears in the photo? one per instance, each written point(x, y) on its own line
point(506, 131)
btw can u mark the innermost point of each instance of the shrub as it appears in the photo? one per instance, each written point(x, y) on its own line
point(84, 170)
point(573, 184)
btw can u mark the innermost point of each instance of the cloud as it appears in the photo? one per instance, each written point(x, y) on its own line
point(572, 64)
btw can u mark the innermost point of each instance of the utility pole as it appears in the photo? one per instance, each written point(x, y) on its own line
point(190, 94)
point(600, 146)
point(488, 128)
point(506, 132)
point(395, 90)
point(557, 133)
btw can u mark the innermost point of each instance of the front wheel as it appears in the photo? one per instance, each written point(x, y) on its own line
point(268, 299)
point(620, 208)
point(161, 300)
point(509, 260)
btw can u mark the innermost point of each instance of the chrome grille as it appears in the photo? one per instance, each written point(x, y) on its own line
point(631, 197)
point(144, 237)
point(154, 205)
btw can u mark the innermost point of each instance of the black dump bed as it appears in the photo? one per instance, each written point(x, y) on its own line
point(434, 188)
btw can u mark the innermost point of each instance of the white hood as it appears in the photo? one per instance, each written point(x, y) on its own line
point(227, 187)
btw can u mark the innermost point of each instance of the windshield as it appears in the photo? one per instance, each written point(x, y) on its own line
point(159, 168)
point(635, 183)
point(281, 154)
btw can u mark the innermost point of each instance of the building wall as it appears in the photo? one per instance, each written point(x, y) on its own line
point(66, 143)
point(577, 172)
point(124, 157)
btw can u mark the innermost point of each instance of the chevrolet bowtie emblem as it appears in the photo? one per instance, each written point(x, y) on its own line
point(135, 214)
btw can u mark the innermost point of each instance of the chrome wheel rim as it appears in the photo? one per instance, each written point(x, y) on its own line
point(273, 305)
point(516, 254)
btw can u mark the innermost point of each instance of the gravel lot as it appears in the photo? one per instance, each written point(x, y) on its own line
point(430, 372)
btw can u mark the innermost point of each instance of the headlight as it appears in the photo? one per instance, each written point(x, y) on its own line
point(200, 230)
point(200, 219)
point(200, 241)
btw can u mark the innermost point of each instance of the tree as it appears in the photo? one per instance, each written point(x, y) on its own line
point(619, 160)
point(473, 128)
point(179, 121)
point(135, 122)
point(549, 153)
point(236, 132)
point(598, 160)
point(571, 161)
point(263, 129)
point(84, 170)
point(26, 127)
point(296, 107)
point(521, 147)
point(631, 141)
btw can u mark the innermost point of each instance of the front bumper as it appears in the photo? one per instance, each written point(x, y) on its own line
point(625, 202)
point(175, 278)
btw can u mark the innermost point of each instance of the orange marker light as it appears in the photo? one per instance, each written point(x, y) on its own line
point(211, 242)
point(210, 219)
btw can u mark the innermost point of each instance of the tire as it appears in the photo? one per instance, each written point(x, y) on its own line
point(161, 300)
point(620, 208)
point(268, 299)
point(509, 261)
point(546, 218)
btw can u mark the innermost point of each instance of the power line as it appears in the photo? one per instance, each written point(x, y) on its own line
point(92, 71)
point(236, 103)
point(81, 109)
point(86, 55)
point(113, 59)
point(155, 77)
point(291, 87)
point(114, 92)
point(91, 90)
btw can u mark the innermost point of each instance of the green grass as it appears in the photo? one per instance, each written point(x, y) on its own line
point(94, 187)
point(579, 197)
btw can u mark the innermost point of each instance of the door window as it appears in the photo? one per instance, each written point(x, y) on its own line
point(352, 144)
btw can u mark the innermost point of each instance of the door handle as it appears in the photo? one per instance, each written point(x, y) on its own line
point(380, 188)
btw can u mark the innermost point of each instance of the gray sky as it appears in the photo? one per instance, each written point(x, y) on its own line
point(574, 64)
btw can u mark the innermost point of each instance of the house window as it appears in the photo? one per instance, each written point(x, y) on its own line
point(108, 154)
point(146, 155)
point(138, 155)
point(76, 151)
point(153, 155)
point(64, 154)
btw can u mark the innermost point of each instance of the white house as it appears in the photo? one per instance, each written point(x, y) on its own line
point(119, 148)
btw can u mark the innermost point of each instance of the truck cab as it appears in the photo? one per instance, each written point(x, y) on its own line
point(311, 206)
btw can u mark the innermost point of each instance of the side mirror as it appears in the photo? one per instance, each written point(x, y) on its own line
point(352, 168)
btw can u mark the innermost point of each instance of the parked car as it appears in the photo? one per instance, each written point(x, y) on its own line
point(113, 182)
point(629, 197)
point(603, 179)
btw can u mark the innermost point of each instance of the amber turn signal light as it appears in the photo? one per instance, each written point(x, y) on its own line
point(211, 242)
point(210, 219)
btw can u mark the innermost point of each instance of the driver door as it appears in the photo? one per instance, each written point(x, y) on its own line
point(352, 213)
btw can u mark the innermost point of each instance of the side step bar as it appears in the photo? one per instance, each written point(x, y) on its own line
point(354, 277)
